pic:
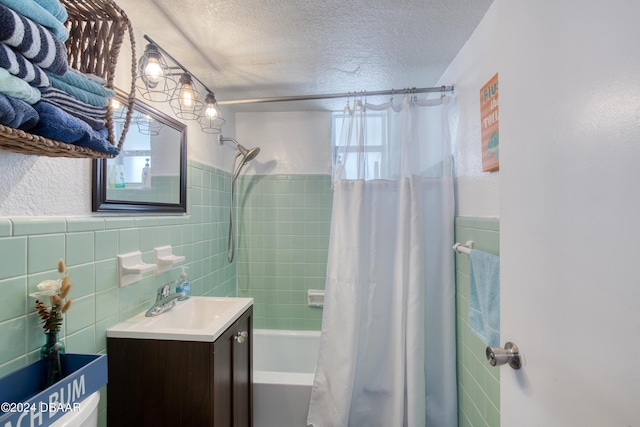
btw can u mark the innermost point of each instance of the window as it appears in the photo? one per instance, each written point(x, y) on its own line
point(364, 161)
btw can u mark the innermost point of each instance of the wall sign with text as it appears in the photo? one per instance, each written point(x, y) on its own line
point(489, 125)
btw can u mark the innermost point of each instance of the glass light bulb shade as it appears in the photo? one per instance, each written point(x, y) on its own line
point(151, 67)
point(210, 121)
point(187, 96)
point(185, 101)
point(211, 111)
point(153, 71)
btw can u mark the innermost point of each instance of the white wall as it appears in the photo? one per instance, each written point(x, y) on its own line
point(475, 64)
point(43, 186)
point(290, 142)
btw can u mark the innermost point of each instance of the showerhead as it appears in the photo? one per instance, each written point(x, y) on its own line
point(251, 154)
point(247, 155)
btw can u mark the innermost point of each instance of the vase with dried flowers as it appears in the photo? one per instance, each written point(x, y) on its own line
point(56, 291)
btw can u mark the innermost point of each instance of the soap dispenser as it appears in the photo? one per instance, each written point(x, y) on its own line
point(146, 176)
point(183, 284)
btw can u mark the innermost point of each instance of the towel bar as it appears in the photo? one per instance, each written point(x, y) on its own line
point(463, 249)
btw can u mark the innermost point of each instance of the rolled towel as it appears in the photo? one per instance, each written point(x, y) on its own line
point(93, 116)
point(21, 67)
point(16, 113)
point(91, 77)
point(33, 41)
point(76, 79)
point(55, 8)
point(38, 14)
point(78, 93)
point(59, 125)
point(18, 88)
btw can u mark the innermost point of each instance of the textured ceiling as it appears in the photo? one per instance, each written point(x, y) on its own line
point(265, 48)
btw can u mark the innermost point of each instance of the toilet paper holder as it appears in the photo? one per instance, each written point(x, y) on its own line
point(510, 354)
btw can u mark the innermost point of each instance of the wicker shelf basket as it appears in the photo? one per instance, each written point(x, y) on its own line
point(97, 29)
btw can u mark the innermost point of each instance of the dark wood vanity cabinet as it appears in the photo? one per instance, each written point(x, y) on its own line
point(182, 383)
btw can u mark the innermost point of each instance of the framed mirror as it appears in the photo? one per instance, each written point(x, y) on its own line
point(150, 173)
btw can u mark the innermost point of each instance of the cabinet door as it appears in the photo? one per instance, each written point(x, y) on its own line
point(232, 389)
point(243, 373)
point(223, 380)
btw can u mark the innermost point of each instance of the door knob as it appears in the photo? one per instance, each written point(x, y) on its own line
point(510, 354)
point(240, 337)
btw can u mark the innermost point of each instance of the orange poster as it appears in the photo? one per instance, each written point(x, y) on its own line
point(489, 124)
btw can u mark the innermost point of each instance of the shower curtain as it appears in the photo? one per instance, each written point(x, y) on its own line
point(387, 352)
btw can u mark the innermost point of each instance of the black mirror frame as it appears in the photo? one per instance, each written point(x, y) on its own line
point(100, 203)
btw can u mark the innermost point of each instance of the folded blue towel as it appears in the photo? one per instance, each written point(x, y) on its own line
point(78, 93)
point(55, 8)
point(21, 67)
point(484, 297)
point(16, 113)
point(18, 88)
point(94, 116)
point(78, 80)
point(33, 41)
point(38, 14)
point(57, 124)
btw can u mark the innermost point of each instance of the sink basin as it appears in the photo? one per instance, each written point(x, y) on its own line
point(196, 319)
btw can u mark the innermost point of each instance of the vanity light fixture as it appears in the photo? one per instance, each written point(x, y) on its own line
point(156, 82)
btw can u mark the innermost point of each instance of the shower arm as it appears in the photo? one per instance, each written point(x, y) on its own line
point(222, 139)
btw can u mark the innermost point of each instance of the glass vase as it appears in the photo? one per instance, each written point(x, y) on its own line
point(50, 356)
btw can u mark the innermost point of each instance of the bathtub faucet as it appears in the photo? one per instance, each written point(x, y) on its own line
point(164, 301)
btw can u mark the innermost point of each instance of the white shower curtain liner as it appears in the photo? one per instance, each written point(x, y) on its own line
point(387, 351)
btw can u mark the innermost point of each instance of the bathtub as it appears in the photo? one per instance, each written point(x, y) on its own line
point(283, 367)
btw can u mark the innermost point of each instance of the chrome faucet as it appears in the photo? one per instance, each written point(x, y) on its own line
point(164, 301)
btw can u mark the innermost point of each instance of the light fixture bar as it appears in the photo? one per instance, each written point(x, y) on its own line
point(177, 62)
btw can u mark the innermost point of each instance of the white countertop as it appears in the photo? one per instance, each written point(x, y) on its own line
point(196, 319)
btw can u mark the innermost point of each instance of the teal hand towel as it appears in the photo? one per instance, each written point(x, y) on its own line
point(18, 88)
point(55, 8)
point(78, 80)
point(484, 297)
point(79, 93)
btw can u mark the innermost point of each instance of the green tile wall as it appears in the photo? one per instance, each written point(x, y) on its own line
point(283, 226)
point(30, 248)
point(478, 382)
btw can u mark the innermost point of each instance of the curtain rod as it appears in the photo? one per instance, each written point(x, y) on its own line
point(440, 89)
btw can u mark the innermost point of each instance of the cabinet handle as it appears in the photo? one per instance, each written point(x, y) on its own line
point(240, 337)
